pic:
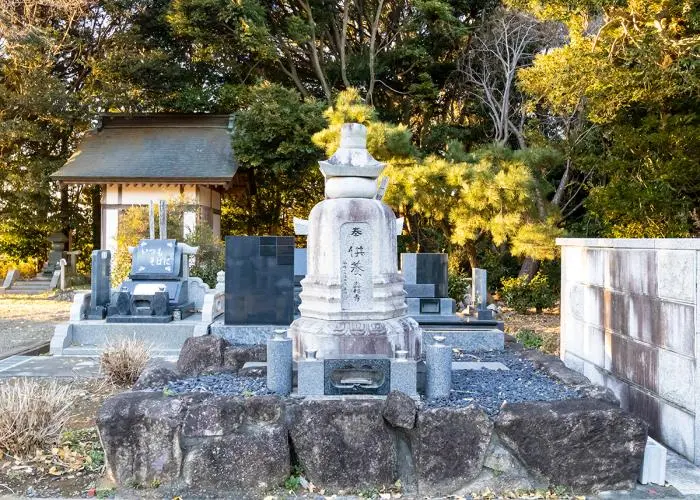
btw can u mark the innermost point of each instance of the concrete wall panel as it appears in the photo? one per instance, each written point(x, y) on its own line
point(630, 319)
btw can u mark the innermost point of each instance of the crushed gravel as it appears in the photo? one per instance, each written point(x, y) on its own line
point(223, 384)
point(490, 389)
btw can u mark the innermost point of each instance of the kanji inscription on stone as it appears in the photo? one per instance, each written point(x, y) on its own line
point(355, 266)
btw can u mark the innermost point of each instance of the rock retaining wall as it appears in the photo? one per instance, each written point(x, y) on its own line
point(247, 446)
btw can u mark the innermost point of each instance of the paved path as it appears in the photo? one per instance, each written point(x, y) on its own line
point(25, 321)
point(50, 366)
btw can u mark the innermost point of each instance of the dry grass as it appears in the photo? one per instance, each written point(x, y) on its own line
point(33, 414)
point(123, 361)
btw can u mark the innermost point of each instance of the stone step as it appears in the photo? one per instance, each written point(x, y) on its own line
point(160, 336)
point(92, 351)
point(22, 291)
point(30, 284)
point(468, 339)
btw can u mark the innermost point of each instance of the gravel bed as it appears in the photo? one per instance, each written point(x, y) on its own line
point(222, 384)
point(489, 389)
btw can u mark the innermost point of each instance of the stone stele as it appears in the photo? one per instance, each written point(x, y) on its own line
point(352, 299)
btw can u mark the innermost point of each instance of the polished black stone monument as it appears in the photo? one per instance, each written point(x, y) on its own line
point(100, 290)
point(425, 273)
point(259, 280)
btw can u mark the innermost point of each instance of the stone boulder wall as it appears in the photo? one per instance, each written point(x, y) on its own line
point(449, 446)
point(239, 443)
point(586, 444)
point(343, 444)
point(156, 375)
point(199, 442)
point(211, 354)
point(140, 433)
point(243, 447)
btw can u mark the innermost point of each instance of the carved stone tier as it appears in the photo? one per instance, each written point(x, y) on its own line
point(341, 338)
point(340, 263)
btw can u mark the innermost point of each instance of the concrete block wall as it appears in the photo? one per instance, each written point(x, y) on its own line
point(630, 321)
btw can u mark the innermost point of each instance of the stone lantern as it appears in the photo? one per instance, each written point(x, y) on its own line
point(352, 299)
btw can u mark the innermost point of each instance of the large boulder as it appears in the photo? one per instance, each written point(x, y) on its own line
point(140, 436)
point(400, 410)
point(343, 444)
point(201, 355)
point(235, 356)
point(586, 444)
point(212, 354)
point(449, 447)
point(157, 374)
point(239, 444)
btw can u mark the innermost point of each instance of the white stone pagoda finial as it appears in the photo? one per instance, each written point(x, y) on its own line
point(352, 171)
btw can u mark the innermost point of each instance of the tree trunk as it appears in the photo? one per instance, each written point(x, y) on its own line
point(470, 249)
point(343, 43)
point(529, 268)
point(372, 54)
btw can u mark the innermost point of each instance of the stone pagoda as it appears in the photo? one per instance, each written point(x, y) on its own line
point(352, 300)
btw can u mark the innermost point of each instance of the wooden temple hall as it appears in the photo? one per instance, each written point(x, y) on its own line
point(141, 158)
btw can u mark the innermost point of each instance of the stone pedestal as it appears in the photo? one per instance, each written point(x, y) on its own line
point(352, 299)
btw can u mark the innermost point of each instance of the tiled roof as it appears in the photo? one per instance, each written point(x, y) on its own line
point(165, 148)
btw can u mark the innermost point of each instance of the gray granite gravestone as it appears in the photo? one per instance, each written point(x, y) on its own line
point(259, 280)
point(299, 274)
point(99, 284)
point(480, 294)
point(58, 242)
point(426, 288)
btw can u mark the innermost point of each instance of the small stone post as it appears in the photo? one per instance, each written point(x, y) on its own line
point(438, 363)
point(63, 264)
point(480, 294)
point(163, 215)
point(279, 363)
point(151, 221)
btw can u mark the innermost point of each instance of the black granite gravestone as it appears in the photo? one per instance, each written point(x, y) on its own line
point(432, 268)
point(425, 269)
point(259, 280)
point(99, 284)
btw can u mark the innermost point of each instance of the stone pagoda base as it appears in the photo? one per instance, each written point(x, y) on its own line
point(333, 338)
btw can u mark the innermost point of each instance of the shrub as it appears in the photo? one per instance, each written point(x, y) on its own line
point(26, 268)
point(33, 414)
point(210, 256)
point(123, 361)
point(529, 338)
point(457, 287)
point(521, 294)
point(133, 226)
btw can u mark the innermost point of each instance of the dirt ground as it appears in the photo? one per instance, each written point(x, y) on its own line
point(28, 319)
point(546, 325)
